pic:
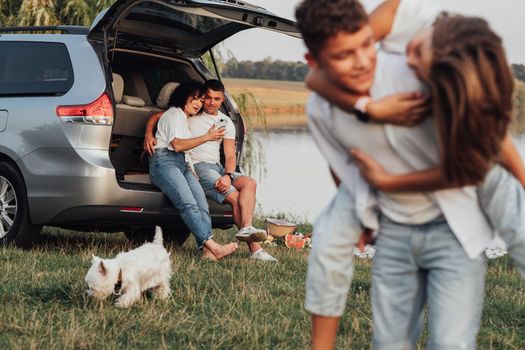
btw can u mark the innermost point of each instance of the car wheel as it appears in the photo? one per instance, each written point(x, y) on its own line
point(15, 223)
point(179, 236)
point(139, 236)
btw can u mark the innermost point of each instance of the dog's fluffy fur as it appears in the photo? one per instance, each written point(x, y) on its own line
point(143, 268)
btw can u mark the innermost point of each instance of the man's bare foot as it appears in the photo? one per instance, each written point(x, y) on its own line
point(221, 251)
point(208, 255)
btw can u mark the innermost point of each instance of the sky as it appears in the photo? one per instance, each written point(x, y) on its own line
point(503, 15)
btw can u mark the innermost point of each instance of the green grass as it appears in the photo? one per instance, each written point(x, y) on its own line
point(233, 304)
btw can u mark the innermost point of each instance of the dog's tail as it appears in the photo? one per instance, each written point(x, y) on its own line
point(158, 236)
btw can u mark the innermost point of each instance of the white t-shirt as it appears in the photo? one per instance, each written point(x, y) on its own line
point(173, 124)
point(209, 152)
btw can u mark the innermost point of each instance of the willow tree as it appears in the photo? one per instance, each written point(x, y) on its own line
point(76, 12)
point(8, 12)
point(37, 13)
point(102, 4)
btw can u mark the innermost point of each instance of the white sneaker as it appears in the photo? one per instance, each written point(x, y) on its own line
point(263, 255)
point(251, 234)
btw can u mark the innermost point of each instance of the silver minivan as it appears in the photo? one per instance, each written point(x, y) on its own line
point(74, 105)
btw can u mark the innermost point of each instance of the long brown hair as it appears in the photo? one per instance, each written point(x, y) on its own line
point(472, 86)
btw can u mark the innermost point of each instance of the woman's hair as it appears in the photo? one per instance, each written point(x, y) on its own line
point(472, 86)
point(180, 95)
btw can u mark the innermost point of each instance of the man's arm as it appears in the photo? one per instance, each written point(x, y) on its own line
point(224, 183)
point(149, 138)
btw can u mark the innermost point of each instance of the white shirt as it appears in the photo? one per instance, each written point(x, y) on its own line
point(209, 152)
point(172, 124)
point(417, 147)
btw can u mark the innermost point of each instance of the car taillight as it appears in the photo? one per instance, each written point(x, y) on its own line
point(98, 112)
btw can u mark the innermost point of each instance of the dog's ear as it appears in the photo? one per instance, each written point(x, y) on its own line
point(94, 258)
point(102, 268)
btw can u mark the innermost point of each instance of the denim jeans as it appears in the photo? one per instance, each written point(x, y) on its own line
point(172, 175)
point(502, 198)
point(330, 264)
point(418, 265)
point(208, 174)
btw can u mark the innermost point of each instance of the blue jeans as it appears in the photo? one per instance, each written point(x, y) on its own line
point(503, 200)
point(208, 174)
point(172, 175)
point(418, 265)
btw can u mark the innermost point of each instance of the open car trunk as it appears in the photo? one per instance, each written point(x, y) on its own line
point(184, 27)
point(149, 44)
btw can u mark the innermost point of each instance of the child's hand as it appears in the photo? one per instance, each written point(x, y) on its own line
point(371, 170)
point(406, 109)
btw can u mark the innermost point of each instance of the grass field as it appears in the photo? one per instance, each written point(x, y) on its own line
point(233, 304)
point(281, 102)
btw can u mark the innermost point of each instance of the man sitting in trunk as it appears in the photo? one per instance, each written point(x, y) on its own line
point(221, 183)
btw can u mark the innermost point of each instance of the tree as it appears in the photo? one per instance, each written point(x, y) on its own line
point(519, 71)
point(76, 12)
point(50, 12)
point(37, 13)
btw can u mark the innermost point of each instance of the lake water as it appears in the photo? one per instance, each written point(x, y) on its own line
point(298, 181)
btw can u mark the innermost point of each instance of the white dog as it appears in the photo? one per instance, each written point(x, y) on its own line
point(131, 273)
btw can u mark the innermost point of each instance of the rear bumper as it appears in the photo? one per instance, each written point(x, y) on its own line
point(68, 187)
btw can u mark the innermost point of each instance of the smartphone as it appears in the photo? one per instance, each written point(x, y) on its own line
point(222, 123)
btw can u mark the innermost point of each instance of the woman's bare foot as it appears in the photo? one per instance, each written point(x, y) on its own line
point(208, 255)
point(220, 251)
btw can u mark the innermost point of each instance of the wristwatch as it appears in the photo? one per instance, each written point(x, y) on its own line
point(230, 175)
point(360, 109)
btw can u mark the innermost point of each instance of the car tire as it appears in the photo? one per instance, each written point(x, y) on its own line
point(15, 222)
point(142, 235)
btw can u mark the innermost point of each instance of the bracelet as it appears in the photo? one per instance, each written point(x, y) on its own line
point(360, 109)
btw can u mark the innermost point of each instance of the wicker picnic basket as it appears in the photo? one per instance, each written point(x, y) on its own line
point(279, 228)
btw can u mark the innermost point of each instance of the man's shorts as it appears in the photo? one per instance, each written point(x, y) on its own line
point(208, 174)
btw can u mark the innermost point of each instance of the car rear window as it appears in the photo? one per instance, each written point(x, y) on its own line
point(151, 12)
point(34, 68)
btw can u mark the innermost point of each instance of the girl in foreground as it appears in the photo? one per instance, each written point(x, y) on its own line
point(171, 169)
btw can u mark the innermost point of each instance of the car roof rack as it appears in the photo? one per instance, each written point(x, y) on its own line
point(77, 30)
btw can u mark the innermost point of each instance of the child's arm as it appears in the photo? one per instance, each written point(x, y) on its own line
point(382, 18)
point(401, 109)
point(432, 179)
point(420, 181)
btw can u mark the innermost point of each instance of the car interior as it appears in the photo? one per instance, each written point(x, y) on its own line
point(142, 86)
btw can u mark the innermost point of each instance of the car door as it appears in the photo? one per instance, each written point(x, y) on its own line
point(189, 28)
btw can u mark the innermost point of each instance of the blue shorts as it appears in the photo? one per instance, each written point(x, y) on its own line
point(208, 174)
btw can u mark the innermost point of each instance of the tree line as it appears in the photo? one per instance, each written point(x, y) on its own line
point(50, 12)
point(519, 71)
point(265, 69)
